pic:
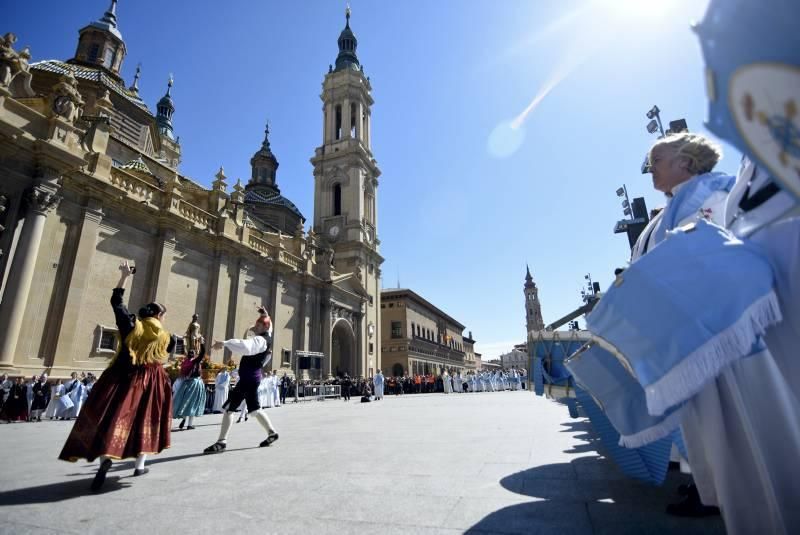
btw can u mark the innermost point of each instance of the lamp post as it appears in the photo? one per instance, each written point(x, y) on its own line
point(622, 191)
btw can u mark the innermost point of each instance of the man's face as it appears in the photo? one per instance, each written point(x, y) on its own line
point(667, 168)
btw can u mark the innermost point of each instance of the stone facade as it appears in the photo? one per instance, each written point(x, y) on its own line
point(89, 177)
point(420, 338)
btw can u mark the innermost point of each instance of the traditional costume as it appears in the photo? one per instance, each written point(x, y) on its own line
point(190, 400)
point(129, 411)
point(257, 353)
point(39, 404)
point(52, 405)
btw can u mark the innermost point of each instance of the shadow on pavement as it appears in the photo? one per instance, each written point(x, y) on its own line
point(590, 495)
point(58, 492)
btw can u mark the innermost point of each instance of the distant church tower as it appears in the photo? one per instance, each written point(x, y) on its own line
point(346, 183)
point(533, 310)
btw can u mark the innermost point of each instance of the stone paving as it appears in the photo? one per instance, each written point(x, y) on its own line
point(502, 462)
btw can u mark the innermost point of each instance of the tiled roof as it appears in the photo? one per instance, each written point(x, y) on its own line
point(273, 198)
point(137, 165)
point(83, 72)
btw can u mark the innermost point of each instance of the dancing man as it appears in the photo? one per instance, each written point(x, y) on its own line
point(257, 353)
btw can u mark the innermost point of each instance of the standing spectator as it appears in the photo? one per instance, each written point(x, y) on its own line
point(16, 406)
point(346, 384)
point(285, 383)
point(39, 404)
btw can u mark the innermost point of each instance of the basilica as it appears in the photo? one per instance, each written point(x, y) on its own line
point(89, 177)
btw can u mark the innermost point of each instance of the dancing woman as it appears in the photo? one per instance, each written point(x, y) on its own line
point(129, 411)
point(190, 400)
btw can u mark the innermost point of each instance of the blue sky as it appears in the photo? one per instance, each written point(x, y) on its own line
point(457, 222)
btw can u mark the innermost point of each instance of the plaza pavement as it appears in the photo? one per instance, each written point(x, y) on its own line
point(504, 462)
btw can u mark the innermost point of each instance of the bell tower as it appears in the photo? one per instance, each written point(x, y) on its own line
point(345, 172)
point(346, 188)
point(533, 310)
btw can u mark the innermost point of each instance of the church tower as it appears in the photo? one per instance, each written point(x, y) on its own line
point(533, 310)
point(346, 179)
point(100, 44)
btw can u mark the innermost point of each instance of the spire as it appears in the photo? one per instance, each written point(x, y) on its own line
point(135, 87)
point(528, 279)
point(265, 145)
point(108, 22)
point(264, 165)
point(348, 43)
point(165, 109)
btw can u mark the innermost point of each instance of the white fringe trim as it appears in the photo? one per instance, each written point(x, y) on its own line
point(703, 365)
point(652, 434)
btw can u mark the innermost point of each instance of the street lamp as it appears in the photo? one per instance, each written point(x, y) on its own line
point(626, 202)
point(655, 116)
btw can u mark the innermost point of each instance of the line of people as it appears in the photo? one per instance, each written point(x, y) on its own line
point(39, 398)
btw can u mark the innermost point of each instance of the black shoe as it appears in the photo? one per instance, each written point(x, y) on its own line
point(683, 490)
point(189, 428)
point(141, 472)
point(183, 422)
point(100, 476)
point(272, 437)
point(216, 447)
point(691, 506)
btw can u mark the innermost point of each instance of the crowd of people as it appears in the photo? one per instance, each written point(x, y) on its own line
point(38, 398)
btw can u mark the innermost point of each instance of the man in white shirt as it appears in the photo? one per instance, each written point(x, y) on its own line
point(257, 353)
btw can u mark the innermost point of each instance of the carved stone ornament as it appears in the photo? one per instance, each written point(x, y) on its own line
point(14, 70)
point(42, 200)
point(65, 100)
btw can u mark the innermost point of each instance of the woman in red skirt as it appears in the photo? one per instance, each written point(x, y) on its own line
point(129, 411)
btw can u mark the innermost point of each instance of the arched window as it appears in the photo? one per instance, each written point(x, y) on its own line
point(338, 131)
point(337, 199)
point(94, 51)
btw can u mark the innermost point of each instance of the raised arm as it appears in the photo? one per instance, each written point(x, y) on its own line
point(124, 319)
point(246, 346)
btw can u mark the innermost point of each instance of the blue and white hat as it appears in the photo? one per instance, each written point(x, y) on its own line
point(752, 54)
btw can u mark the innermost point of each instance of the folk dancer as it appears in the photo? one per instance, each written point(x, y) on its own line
point(129, 411)
point(257, 353)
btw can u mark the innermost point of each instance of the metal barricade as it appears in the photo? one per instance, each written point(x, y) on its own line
point(319, 392)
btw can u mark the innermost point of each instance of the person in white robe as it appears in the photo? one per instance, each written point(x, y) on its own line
point(276, 395)
point(72, 390)
point(446, 384)
point(742, 431)
point(378, 381)
point(52, 405)
point(265, 392)
point(221, 384)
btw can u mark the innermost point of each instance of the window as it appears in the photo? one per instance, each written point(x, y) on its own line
point(107, 340)
point(391, 305)
point(337, 199)
point(353, 115)
point(179, 347)
point(371, 348)
point(94, 51)
point(371, 301)
point(338, 131)
point(412, 329)
point(287, 358)
point(397, 329)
